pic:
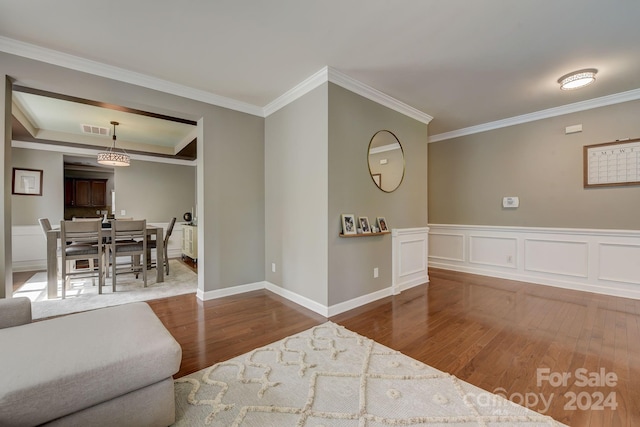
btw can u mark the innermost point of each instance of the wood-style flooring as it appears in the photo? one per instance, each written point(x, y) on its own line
point(496, 334)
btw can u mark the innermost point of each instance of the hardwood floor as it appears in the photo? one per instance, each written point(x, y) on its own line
point(493, 333)
point(490, 332)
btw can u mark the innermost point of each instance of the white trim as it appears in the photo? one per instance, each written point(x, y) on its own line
point(226, 292)
point(305, 302)
point(402, 278)
point(359, 301)
point(307, 85)
point(589, 104)
point(385, 148)
point(561, 266)
point(91, 152)
point(375, 95)
point(329, 74)
point(545, 230)
point(77, 63)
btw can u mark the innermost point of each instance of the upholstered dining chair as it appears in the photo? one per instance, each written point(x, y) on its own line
point(152, 244)
point(129, 240)
point(81, 240)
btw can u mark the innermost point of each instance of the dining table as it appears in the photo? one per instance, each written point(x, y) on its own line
point(53, 236)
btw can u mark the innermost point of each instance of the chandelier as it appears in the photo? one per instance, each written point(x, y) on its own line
point(111, 157)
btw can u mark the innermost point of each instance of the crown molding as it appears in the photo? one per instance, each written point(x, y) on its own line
point(589, 104)
point(326, 74)
point(375, 95)
point(77, 63)
point(329, 74)
point(301, 89)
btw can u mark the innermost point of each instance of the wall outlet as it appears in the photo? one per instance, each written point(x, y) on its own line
point(123, 212)
point(375, 273)
point(273, 267)
point(509, 259)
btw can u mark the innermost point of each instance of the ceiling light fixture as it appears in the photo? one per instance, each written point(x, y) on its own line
point(111, 157)
point(578, 79)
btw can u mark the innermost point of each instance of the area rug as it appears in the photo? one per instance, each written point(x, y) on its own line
point(329, 376)
point(84, 295)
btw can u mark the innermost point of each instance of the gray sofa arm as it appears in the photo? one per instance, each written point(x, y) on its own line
point(14, 312)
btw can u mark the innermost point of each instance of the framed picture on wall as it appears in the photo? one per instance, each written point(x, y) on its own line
point(348, 224)
point(27, 182)
point(364, 224)
point(382, 223)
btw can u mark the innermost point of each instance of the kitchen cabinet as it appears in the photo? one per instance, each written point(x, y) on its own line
point(85, 192)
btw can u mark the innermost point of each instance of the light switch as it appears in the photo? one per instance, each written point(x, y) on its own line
point(510, 202)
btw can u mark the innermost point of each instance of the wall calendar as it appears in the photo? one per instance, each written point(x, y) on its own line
point(612, 163)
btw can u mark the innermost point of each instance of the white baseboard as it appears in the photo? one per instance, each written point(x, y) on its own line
point(359, 301)
point(599, 261)
point(226, 292)
point(412, 284)
point(305, 302)
point(321, 309)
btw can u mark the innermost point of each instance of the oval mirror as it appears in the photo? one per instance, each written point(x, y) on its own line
point(386, 161)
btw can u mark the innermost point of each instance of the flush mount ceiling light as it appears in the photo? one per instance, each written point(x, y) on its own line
point(577, 79)
point(111, 157)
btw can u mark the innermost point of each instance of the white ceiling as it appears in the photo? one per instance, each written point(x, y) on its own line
point(52, 119)
point(464, 62)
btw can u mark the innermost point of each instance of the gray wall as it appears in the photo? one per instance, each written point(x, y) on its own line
point(25, 210)
point(468, 176)
point(353, 120)
point(231, 204)
point(231, 191)
point(155, 191)
point(296, 174)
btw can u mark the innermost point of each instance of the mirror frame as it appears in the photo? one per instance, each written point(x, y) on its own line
point(404, 163)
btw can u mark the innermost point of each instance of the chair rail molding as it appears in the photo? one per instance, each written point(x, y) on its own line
point(590, 260)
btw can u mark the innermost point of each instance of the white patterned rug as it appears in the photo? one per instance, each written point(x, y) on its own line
point(329, 376)
point(84, 295)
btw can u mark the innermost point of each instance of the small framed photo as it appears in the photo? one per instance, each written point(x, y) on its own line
point(27, 182)
point(348, 224)
point(364, 224)
point(382, 223)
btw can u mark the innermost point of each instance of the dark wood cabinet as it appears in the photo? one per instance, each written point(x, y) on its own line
point(82, 190)
point(98, 193)
point(85, 192)
point(68, 191)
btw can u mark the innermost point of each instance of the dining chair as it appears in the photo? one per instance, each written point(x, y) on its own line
point(90, 261)
point(81, 240)
point(45, 225)
point(152, 244)
point(129, 240)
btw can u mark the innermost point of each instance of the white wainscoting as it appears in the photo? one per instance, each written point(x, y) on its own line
point(601, 261)
point(410, 258)
point(29, 247)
